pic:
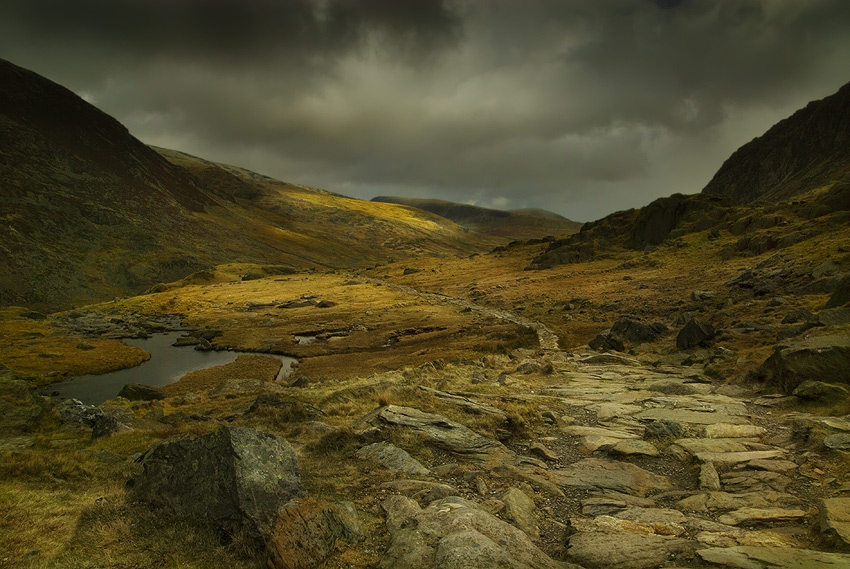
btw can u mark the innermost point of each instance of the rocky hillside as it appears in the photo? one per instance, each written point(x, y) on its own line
point(527, 223)
point(782, 188)
point(809, 149)
point(89, 212)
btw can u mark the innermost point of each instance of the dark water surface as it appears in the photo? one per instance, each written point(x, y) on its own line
point(166, 365)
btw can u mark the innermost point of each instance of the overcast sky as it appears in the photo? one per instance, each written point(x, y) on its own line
point(582, 107)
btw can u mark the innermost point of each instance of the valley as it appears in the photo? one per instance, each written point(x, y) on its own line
point(665, 387)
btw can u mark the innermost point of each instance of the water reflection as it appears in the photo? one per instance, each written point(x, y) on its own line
point(166, 365)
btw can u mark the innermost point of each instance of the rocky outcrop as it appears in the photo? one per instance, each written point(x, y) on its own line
point(448, 435)
point(236, 477)
point(825, 358)
point(799, 153)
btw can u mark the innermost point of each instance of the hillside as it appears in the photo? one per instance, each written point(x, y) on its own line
point(90, 213)
point(527, 223)
point(807, 150)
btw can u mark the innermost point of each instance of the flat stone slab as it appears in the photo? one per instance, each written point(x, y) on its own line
point(596, 550)
point(691, 417)
point(696, 446)
point(727, 431)
point(747, 516)
point(751, 557)
point(582, 431)
point(612, 475)
point(730, 458)
point(630, 446)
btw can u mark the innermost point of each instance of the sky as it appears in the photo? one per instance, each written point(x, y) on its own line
point(581, 107)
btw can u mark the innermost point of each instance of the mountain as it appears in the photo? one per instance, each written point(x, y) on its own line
point(811, 148)
point(527, 223)
point(784, 187)
point(89, 212)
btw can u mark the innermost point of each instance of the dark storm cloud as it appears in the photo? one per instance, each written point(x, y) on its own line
point(581, 106)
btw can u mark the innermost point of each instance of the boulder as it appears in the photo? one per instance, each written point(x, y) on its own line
point(819, 391)
point(307, 530)
point(826, 358)
point(621, 550)
point(141, 392)
point(695, 333)
point(237, 477)
point(841, 294)
point(453, 533)
point(607, 341)
point(635, 331)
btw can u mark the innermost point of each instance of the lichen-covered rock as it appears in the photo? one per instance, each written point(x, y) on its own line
point(307, 531)
point(235, 476)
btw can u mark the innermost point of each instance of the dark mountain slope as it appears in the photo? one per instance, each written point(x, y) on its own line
point(782, 188)
point(518, 224)
point(88, 212)
point(811, 148)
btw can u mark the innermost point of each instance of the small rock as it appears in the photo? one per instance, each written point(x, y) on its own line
point(543, 452)
point(634, 446)
point(838, 441)
point(84, 346)
point(663, 429)
point(521, 511)
point(835, 517)
point(708, 477)
point(141, 392)
point(392, 458)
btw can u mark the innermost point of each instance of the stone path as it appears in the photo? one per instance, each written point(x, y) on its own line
point(639, 467)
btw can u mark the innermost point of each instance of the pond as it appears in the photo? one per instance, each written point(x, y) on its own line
point(166, 365)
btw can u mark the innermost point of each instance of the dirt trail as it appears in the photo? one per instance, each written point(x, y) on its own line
point(548, 340)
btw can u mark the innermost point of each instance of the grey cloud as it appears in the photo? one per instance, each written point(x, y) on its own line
point(582, 106)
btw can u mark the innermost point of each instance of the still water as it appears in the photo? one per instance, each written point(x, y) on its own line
point(166, 365)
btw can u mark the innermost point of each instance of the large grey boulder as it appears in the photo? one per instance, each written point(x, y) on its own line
point(237, 477)
point(821, 358)
point(453, 533)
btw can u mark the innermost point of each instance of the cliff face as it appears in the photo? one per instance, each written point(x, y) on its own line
point(809, 149)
